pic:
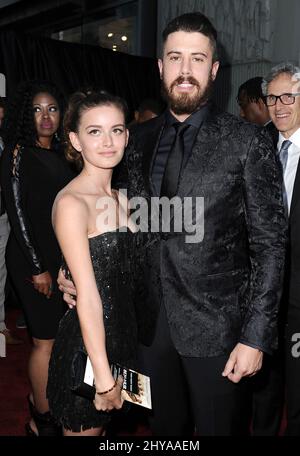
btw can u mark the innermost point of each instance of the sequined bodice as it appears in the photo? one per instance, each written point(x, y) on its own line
point(112, 255)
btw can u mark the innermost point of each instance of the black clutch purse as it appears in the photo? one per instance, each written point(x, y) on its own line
point(78, 385)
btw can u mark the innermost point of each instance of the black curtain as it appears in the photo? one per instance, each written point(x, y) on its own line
point(72, 66)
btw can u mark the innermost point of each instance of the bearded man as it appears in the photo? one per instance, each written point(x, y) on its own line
point(209, 308)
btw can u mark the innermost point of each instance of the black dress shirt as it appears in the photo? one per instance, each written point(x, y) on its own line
point(194, 121)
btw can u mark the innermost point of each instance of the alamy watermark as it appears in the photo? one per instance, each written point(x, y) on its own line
point(295, 351)
point(164, 215)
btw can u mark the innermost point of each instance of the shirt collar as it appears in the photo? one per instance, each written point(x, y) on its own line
point(195, 119)
point(294, 138)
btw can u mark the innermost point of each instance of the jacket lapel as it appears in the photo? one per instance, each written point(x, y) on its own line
point(206, 142)
point(149, 149)
point(296, 189)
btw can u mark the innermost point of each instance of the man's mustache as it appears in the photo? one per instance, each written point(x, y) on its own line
point(182, 79)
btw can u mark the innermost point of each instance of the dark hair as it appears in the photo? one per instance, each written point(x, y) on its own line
point(251, 90)
point(152, 105)
point(193, 22)
point(80, 102)
point(19, 126)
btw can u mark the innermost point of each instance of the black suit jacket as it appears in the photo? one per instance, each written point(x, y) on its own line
point(293, 266)
point(273, 132)
point(226, 288)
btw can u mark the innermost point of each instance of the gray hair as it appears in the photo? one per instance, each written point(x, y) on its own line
point(286, 67)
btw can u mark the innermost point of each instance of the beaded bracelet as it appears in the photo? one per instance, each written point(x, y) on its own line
point(107, 391)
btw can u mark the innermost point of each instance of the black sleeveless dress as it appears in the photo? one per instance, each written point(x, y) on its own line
point(112, 256)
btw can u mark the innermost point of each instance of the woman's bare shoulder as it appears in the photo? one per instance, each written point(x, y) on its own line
point(67, 196)
point(68, 202)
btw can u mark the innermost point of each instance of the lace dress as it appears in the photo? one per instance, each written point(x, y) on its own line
point(112, 256)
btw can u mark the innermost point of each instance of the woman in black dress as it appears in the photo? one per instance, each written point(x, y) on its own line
point(97, 240)
point(33, 171)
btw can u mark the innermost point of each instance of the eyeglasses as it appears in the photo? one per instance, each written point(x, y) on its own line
point(285, 98)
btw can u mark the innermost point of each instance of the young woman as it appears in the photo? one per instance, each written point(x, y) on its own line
point(33, 171)
point(96, 237)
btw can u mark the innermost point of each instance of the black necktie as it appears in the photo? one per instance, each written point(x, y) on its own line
point(174, 163)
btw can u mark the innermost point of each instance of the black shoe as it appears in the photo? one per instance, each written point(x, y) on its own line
point(44, 422)
point(29, 431)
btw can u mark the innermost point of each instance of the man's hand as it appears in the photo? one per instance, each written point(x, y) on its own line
point(244, 361)
point(68, 289)
point(43, 283)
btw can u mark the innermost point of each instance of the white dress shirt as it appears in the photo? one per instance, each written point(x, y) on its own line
point(292, 163)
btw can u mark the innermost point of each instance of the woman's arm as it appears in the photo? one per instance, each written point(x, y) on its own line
point(13, 186)
point(70, 217)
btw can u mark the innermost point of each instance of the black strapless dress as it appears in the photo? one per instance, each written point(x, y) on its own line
point(112, 256)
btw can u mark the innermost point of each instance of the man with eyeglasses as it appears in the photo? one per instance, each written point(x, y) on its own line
point(281, 88)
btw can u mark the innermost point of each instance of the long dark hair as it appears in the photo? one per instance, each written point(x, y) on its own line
point(19, 127)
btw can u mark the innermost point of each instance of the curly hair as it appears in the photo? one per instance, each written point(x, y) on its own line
point(80, 102)
point(19, 126)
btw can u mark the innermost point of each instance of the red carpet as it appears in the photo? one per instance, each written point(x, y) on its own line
point(13, 382)
point(14, 388)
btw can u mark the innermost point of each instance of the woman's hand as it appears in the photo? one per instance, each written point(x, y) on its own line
point(111, 400)
point(43, 283)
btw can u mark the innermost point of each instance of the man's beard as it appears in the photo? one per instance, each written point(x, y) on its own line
point(185, 103)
